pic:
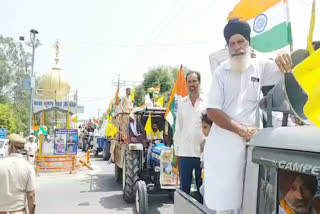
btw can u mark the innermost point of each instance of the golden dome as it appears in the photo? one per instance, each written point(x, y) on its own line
point(55, 85)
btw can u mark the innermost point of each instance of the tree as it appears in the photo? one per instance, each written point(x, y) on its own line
point(15, 66)
point(139, 94)
point(8, 118)
point(163, 75)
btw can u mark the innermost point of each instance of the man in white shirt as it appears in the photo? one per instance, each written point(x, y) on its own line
point(17, 178)
point(233, 107)
point(31, 147)
point(188, 135)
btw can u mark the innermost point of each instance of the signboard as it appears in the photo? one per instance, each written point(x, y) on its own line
point(40, 105)
point(298, 161)
point(3, 133)
point(80, 109)
point(65, 141)
point(168, 176)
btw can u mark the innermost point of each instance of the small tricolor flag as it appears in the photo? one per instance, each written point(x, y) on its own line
point(269, 21)
point(179, 91)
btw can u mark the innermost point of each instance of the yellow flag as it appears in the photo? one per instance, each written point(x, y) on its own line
point(109, 118)
point(132, 95)
point(111, 130)
point(312, 22)
point(75, 119)
point(148, 126)
point(307, 73)
point(160, 102)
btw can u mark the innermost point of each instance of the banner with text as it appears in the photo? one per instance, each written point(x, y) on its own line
point(40, 105)
point(65, 141)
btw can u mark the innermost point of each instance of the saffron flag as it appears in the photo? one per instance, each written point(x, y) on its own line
point(96, 121)
point(117, 97)
point(110, 111)
point(268, 20)
point(179, 91)
point(307, 73)
point(157, 90)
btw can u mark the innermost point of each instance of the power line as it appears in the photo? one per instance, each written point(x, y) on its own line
point(141, 45)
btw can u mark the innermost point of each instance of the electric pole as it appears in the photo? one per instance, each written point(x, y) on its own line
point(34, 43)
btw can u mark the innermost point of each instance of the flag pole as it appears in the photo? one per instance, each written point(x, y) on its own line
point(289, 23)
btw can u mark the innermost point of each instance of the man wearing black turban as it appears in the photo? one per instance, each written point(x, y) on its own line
point(233, 107)
point(235, 26)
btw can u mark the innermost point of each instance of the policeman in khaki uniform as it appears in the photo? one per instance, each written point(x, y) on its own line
point(17, 180)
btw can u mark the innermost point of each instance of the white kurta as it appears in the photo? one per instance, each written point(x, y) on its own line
point(224, 154)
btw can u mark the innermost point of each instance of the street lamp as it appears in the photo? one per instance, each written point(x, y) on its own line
point(33, 43)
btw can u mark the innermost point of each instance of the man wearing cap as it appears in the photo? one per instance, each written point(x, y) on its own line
point(233, 107)
point(31, 147)
point(17, 178)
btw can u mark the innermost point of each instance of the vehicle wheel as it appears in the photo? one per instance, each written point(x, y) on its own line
point(130, 175)
point(117, 173)
point(106, 151)
point(141, 198)
point(171, 195)
point(85, 147)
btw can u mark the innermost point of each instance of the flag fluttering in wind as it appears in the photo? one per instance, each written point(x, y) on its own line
point(148, 126)
point(156, 91)
point(96, 121)
point(268, 20)
point(307, 73)
point(132, 95)
point(179, 91)
point(312, 23)
point(141, 108)
point(160, 102)
point(75, 119)
point(117, 97)
point(110, 111)
point(111, 130)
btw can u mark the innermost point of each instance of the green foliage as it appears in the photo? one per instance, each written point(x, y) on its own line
point(139, 94)
point(163, 75)
point(15, 66)
point(8, 118)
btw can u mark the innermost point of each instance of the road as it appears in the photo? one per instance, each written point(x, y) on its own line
point(87, 191)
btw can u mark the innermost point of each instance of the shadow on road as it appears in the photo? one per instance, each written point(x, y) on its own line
point(115, 202)
point(155, 203)
point(101, 183)
point(158, 201)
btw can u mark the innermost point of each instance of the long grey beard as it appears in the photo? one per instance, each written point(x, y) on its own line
point(240, 63)
point(304, 210)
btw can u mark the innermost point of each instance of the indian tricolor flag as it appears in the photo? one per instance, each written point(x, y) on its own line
point(179, 91)
point(269, 21)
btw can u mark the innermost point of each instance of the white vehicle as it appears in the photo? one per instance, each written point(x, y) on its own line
point(270, 152)
point(4, 145)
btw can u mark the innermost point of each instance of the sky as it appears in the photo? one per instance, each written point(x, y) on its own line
point(101, 39)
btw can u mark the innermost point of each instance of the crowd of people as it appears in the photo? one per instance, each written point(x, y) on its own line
point(209, 131)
